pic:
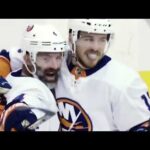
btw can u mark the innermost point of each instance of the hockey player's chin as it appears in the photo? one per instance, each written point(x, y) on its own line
point(91, 64)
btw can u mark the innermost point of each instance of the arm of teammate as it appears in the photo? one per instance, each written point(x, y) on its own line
point(17, 117)
point(143, 127)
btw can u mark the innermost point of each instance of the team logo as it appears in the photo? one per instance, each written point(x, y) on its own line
point(72, 116)
point(29, 28)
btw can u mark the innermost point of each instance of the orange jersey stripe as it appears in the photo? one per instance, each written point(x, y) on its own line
point(5, 67)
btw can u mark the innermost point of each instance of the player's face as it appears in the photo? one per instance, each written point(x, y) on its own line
point(90, 48)
point(48, 66)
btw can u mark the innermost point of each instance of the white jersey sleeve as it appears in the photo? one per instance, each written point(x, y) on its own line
point(35, 93)
point(132, 104)
point(10, 60)
point(16, 58)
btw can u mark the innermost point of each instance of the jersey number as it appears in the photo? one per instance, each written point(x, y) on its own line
point(146, 98)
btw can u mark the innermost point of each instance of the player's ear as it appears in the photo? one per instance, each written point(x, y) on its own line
point(27, 63)
point(27, 58)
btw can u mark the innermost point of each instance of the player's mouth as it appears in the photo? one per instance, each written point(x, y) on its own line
point(51, 74)
point(92, 55)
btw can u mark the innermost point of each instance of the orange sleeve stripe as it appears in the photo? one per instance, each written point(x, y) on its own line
point(5, 67)
point(5, 58)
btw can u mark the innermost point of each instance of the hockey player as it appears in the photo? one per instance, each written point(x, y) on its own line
point(95, 92)
point(40, 42)
point(43, 51)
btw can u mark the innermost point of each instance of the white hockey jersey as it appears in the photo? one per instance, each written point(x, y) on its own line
point(33, 92)
point(111, 97)
point(15, 58)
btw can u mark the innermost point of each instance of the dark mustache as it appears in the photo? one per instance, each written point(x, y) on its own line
point(51, 70)
point(93, 51)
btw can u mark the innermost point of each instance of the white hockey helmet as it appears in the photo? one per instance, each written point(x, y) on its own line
point(99, 26)
point(42, 38)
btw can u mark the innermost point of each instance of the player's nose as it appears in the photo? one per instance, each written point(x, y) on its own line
point(54, 64)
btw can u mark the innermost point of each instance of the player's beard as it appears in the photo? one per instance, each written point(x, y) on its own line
point(48, 75)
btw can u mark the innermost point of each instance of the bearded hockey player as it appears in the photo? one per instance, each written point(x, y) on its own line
point(95, 92)
point(43, 51)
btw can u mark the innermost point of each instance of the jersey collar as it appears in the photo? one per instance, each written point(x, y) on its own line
point(104, 61)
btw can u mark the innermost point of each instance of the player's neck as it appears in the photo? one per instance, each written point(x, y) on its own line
point(77, 63)
point(81, 66)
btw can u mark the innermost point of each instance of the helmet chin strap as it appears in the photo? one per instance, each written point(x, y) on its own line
point(33, 73)
point(80, 65)
point(106, 47)
point(75, 59)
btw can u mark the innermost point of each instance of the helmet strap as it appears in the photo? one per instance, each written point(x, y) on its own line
point(28, 69)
